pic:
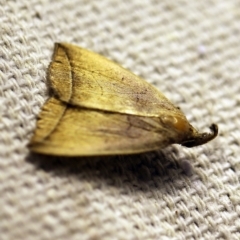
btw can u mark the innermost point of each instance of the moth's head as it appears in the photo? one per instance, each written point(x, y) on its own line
point(186, 134)
point(201, 138)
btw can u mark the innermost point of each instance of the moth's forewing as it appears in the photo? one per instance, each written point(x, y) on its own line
point(86, 79)
point(74, 131)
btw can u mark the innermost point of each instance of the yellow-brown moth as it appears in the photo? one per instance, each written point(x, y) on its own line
point(99, 108)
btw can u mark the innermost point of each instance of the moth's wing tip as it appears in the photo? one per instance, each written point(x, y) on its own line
point(60, 73)
point(62, 45)
point(48, 119)
point(202, 138)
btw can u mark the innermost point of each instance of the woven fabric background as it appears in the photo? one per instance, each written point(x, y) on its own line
point(190, 50)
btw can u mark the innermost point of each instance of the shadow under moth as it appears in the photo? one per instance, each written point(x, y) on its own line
point(99, 108)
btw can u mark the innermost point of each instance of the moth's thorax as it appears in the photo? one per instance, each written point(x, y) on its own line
point(179, 123)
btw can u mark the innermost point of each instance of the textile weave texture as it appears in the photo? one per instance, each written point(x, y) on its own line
point(190, 50)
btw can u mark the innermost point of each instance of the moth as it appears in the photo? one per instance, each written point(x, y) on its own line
point(99, 108)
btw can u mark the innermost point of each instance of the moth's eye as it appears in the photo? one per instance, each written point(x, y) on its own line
point(179, 123)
